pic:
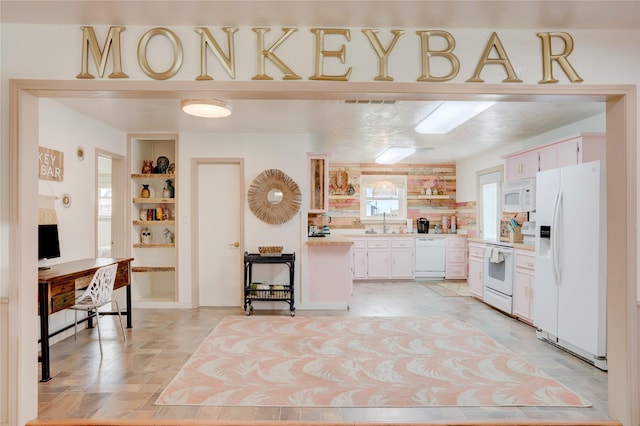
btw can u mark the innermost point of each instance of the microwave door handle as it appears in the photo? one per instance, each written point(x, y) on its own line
point(521, 199)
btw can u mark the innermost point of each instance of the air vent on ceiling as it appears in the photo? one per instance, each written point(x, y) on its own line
point(371, 101)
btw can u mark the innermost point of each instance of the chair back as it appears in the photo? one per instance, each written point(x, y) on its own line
point(101, 287)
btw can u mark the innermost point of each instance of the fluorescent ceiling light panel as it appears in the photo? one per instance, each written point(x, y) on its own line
point(449, 115)
point(393, 154)
point(206, 108)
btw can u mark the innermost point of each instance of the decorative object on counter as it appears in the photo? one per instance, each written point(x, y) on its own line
point(172, 169)
point(146, 235)
point(169, 189)
point(437, 229)
point(143, 214)
point(162, 165)
point(270, 251)
point(145, 192)
point(167, 236)
point(274, 197)
point(147, 167)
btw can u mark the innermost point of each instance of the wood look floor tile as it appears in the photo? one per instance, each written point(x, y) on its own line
point(127, 381)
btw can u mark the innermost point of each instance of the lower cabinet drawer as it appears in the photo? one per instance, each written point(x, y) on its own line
point(456, 271)
point(62, 301)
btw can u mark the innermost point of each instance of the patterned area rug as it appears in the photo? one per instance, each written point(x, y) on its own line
point(358, 362)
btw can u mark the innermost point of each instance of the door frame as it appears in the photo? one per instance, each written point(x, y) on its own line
point(195, 205)
point(118, 202)
point(622, 135)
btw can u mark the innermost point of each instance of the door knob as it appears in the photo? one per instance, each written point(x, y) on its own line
point(236, 244)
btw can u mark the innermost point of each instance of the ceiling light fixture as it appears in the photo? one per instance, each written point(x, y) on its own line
point(206, 108)
point(393, 154)
point(449, 115)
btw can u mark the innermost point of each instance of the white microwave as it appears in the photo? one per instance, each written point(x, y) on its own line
point(519, 196)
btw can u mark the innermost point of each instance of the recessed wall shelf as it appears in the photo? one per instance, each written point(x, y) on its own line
point(154, 281)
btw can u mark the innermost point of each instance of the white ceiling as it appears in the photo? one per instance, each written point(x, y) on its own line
point(352, 132)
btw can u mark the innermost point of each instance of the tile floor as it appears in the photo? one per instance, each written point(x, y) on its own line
point(127, 381)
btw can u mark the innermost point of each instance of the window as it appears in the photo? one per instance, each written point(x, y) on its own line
point(489, 203)
point(383, 196)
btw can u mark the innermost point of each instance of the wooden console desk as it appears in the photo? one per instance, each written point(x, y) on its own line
point(56, 292)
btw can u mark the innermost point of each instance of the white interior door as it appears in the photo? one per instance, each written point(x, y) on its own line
point(218, 229)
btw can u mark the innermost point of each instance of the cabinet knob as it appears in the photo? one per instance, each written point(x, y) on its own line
point(236, 244)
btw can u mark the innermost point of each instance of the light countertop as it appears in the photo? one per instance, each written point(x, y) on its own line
point(519, 245)
point(329, 239)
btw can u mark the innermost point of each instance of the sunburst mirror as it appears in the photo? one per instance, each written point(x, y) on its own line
point(274, 197)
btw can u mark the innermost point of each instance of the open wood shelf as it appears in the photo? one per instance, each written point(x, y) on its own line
point(154, 200)
point(156, 245)
point(153, 175)
point(153, 268)
point(154, 222)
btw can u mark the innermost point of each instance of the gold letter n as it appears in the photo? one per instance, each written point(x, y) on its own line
point(89, 42)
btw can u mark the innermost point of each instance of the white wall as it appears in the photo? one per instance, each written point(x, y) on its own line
point(260, 152)
point(64, 129)
point(466, 169)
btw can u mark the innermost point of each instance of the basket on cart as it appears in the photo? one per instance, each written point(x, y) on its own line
point(270, 251)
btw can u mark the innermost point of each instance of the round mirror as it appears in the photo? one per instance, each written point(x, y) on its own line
point(274, 196)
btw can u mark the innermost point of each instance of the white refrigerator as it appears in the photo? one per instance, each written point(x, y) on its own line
point(570, 260)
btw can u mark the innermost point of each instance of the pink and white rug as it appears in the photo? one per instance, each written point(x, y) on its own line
point(358, 362)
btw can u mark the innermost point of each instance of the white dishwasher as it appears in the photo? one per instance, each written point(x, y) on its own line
point(430, 257)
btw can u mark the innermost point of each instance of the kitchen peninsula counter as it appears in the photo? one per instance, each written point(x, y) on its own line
point(329, 273)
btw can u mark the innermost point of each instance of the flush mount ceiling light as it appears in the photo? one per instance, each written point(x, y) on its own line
point(393, 154)
point(206, 108)
point(449, 115)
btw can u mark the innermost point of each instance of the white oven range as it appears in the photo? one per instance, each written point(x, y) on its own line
point(498, 276)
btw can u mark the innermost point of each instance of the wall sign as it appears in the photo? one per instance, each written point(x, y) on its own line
point(555, 48)
point(50, 164)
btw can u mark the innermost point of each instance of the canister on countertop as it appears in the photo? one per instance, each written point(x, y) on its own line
point(453, 224)
point(445, 224)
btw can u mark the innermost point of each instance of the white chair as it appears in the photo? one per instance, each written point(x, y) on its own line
point(99, 293)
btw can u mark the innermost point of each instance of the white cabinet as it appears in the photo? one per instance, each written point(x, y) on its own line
point(378, 258)
point(523, 283)
point(581, 148)
point(456, 263)
point(359, 262)
point(476, 266)
point(383, 258)
point(521, 165)
point(402, 258)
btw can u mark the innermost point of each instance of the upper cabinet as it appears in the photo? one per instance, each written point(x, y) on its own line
point(577, 149)
point(318, 182)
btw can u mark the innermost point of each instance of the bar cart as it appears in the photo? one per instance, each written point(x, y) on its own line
point(268, 292)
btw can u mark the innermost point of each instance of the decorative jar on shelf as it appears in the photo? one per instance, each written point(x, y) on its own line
point(145, 193)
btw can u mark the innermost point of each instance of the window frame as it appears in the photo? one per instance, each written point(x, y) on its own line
point(369, 181)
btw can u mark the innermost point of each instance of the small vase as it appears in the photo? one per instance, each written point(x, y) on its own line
point(166, 193)
point(145, 193)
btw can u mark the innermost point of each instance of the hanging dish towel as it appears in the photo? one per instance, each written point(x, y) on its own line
point(496, 256)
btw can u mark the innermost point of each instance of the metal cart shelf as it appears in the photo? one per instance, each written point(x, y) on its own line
point(283, 293)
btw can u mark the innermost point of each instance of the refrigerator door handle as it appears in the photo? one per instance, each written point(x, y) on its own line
point(554, 238)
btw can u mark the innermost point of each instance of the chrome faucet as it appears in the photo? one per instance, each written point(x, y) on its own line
point(385, 228)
